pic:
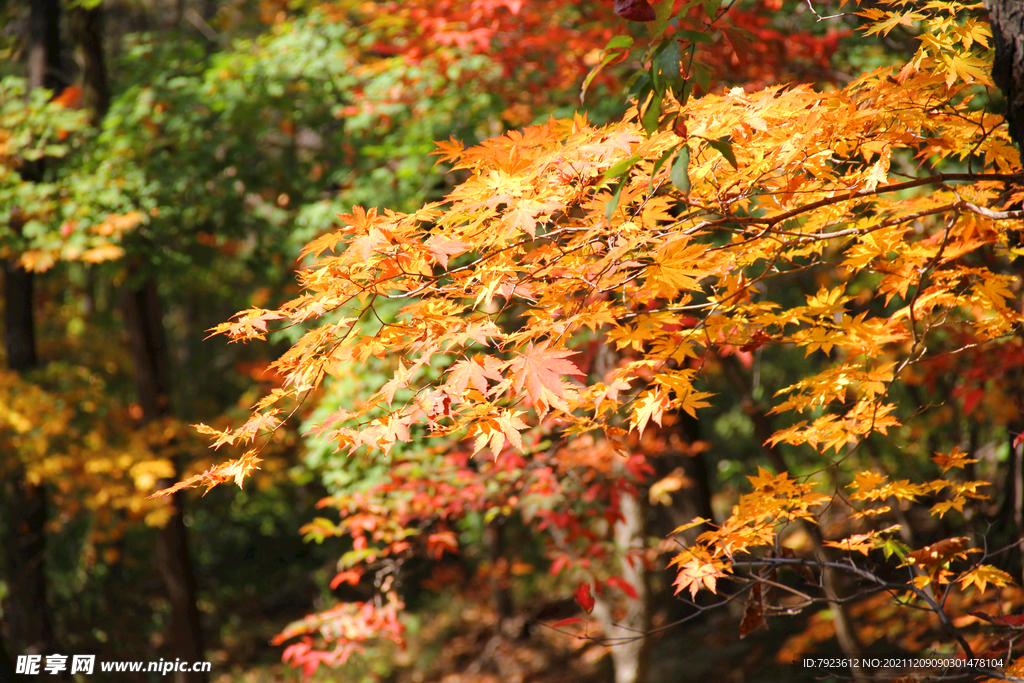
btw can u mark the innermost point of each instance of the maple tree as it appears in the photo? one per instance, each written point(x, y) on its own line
point(535, 51)
point(588, 284)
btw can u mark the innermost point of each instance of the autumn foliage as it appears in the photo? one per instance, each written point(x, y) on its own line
point(587, 285)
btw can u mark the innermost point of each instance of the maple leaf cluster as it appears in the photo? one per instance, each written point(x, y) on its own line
point(542, 47)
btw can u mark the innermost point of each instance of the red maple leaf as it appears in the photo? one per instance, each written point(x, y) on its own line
point(635, 10)
point(622, 585)
point(584, 598)
point(351, 576)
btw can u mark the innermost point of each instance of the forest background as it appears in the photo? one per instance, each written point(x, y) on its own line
point(768, 207)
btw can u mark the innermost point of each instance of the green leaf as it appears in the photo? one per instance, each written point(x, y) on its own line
point(612, 51)
point(683, 94)
point(724, 148)
point(892, 547)
point(652, 114)
point(618, 43)
point(622, 170)
point(658, 50)
point(659, 163)
point(620, 167)
point(641, 83)
point(614, 202)
point(711, 8)
point(694, 36)
point(703, 76)
point(678, 173)
point(662, 13)
point(669, 67)
point(654, 71)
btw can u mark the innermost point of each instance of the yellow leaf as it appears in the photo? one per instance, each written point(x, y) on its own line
point(983, 575)
point(107, 252)
point(37, 261)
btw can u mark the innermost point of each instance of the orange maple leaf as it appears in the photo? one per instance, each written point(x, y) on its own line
point(320, 245)
point(696, 574)
point(236, 469)
point(368, 243)
point(399, 381)
point(956, 458)
point(511, 425)
point(442, 248)
point(610, 392)
point(540, 368)
point(937, 554)
point(650, 407)
point(473, 372)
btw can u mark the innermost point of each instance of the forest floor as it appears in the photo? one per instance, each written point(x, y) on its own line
point(460, 641)
point(463, 645)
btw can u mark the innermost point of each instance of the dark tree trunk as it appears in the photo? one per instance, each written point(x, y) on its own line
point(19, 324)
point(500, 578)
point(26, 610)
point(144, 320)
point(185, 636)
point(87, 34)
point(7, 674)
point(22, 504)
point(1007, 18)
point(43, 72)
point(846, 634)
point(44, 45)
point(698, 504)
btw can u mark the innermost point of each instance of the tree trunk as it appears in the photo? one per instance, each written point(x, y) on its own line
point(628, 629)
point(23, 505)
point(26, 611)
point(500, 576)
point(87, 34)
point(846, 633)
point(626, 621)
point(144, 320)
point(19, 324)
point(185, 636)
point(7, 674)
point(1007, 18)
point(44, 45)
